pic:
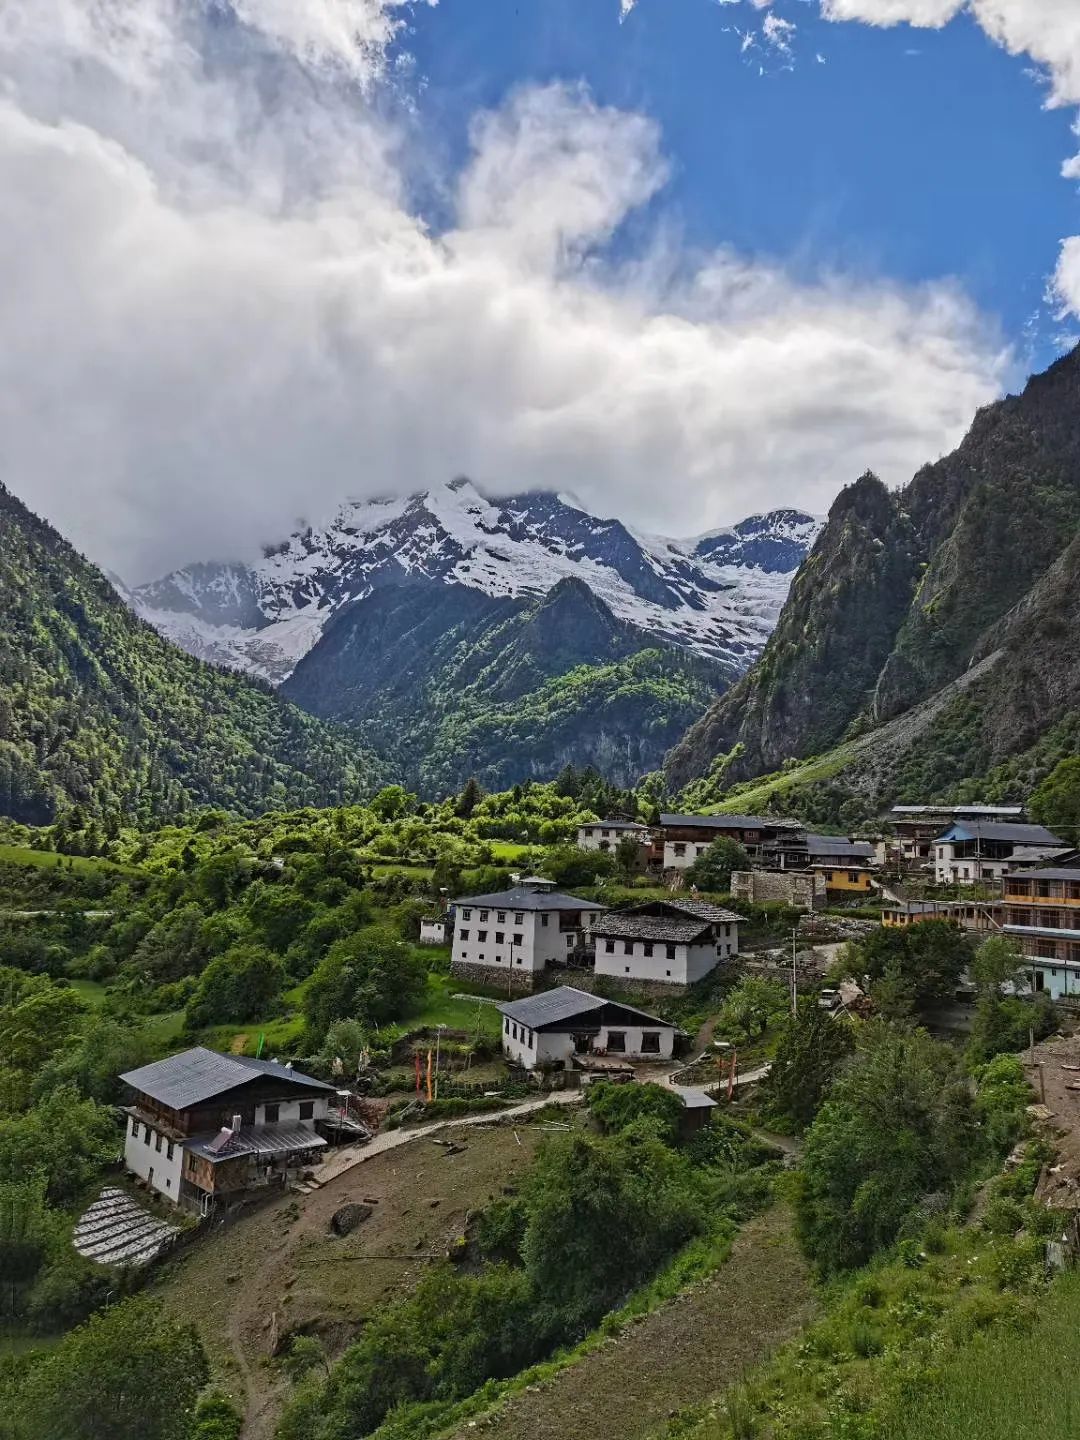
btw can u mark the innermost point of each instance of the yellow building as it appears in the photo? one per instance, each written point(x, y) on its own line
point(844, 879)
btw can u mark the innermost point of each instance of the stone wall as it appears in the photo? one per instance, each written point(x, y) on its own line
point(803, 889)
point(512, 982)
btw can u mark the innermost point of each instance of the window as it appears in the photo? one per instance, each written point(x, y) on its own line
point(517, 938)
point(627, 969)
point(609, 947)
point(483, 914)
point(616, 1040)
point(518, 960)
point(506, 1024)
point(168, 1183)
point(146, 1135)
point(501, 917)
point(463, 935)
point(271, 1113)
point(670, 951)
point(307, 1109)
point(466, 914)
point(569, 941)
point(853, 876)
point(646, 948)
point(515, 1032)
point(543, 920)
point(650, 1043)
point(481, 959)
point(500, 937)
point(157, 1143)
point(667, 972)
point(519, 916)
point(627, 947)
point(481, 935)
point(169, 1153)
point(532, 1039)
point(135, 1128)
point(680, 849)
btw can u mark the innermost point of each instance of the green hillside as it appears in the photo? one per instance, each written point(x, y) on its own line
point(97, 710)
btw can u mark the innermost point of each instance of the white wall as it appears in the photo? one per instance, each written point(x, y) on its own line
point(948, 870)
point(668, 964)
point(151, 1164)
point(289, 1111)
point(633, 1038)
point(531, 1048)
point(691, 850)
point(542, 940)
point(432, 932)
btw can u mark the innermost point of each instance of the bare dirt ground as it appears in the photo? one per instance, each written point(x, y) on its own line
point(281, 1269)
point(1057, 1060)
point(679, 1356)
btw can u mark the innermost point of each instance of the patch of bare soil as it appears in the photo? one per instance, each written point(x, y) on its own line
point(1056, 1074)
point(282, 1270)
point(681, 1355)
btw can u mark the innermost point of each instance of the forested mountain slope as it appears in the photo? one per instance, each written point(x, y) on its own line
point(97, 709)
point(449, 682)
point(904, 591)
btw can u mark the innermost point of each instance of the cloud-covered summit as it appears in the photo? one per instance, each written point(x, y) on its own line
point(224, 309)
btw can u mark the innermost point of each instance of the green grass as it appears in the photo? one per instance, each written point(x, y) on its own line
point(440, 1008)
point(165, 1029)
point(507, 851)
point(1005, 1386)
point(49, 860)
point(92, 992)
point(749, 799)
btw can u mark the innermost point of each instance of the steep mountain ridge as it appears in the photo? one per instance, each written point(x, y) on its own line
point(969, 563)
point(97, 709)
point(450, 682)
point(717, 596)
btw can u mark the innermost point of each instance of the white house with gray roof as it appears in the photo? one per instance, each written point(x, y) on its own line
point(204, 1128)
point(558, 1026)
point(521, 932)
point(606, 834)
point(666, 942)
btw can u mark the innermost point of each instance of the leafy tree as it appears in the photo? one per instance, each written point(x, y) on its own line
point(1056, 802)
point(216, 1418)
point(917, 968)
point(750, 1008)
point(1003, 1025)
point(278, 914)
point(897, 1125)
point(811, 1050)
point(173, 948)
point(568, 866)
point(243, 984)
point(37, 1018)
point(628, 857)
point(105, 1049)
point(713, 870)
point(617, 1107)
point(372, 977)
point(998, 962)
point(469, 798)
point(129, 1373)
point(64, 1137)
point(392, 803)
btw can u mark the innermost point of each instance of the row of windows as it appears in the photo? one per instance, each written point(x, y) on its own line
point(647, 948)
point(272, 1113)
point(519, 1033)
point(147, 1134)
point(517, 938)
point(500, 916)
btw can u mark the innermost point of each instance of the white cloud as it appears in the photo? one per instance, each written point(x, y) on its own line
point(221, 311)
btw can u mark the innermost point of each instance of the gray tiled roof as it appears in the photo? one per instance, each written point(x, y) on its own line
point(197, 1075)
point(729, 822)
point(551, 1005)
point(1055, 872)
point(622, 924)
point(839, 845)
point(702, 910)
point(612, 825)
point(520, 899)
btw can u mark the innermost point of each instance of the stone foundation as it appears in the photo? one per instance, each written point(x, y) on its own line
point(614, 985)
point(802, 889)
point(494, 977)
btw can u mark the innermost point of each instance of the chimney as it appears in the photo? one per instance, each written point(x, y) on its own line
point(237, 1121)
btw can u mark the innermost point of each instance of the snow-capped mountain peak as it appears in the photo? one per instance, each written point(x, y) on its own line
point(718, 595)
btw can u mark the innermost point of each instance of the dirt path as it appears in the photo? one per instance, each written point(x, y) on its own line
point(681, 1355)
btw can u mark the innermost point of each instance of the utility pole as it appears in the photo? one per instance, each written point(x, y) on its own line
point(438, 1045)
point(794, 978)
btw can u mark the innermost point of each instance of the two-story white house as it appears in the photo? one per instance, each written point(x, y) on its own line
point(204, 1129)
point(521, 931)
point(972, 852)
point(606, 834)
point(558, 1026)
point(667, 942)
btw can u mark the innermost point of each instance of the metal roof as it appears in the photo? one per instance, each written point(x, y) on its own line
point(197, 1075)
point(730, 822)
point(988, 830)
point(612, 825)
point(1056, 872)
point(694, 1098)
point(932, 810)
point(521, 899)
point(551, 1005)
point(268, 1140)
point(839, 845)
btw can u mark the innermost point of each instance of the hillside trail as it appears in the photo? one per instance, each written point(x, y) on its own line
point(683, 1354)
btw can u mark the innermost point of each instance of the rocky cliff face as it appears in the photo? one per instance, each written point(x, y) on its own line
point(903, 592)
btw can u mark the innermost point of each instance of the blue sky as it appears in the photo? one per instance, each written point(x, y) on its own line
point(910, 153)
point(259, 256)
